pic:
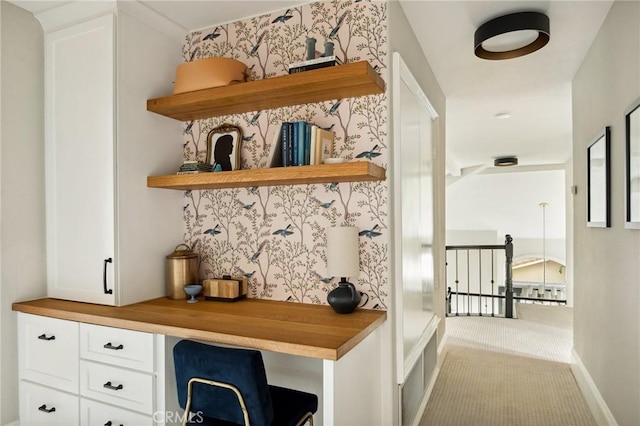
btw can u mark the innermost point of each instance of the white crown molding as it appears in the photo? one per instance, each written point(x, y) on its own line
point(78, 11)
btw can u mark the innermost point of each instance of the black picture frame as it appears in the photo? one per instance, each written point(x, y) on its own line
point(223, 148)
point(632, 181)
point(599, 180)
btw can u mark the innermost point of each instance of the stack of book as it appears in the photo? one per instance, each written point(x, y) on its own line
point(189, 167)
point(301, 144)
point(312, 64)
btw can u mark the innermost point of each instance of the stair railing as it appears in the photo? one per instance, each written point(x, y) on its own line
point(465, 296)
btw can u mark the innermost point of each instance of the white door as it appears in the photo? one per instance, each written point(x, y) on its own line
point(79, 152)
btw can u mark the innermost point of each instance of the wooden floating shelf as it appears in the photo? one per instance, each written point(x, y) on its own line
point(337, 82)
point(356, 171)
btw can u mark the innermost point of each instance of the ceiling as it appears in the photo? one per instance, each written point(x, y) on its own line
point(535, 89)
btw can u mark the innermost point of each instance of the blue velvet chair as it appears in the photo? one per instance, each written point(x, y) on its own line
point(228, 386)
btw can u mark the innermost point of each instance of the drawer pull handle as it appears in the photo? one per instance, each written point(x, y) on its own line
point(44, 337)
point(44, 408)
point(108, 385)
point(110, 423)
point(115, 348)
point(104, 276)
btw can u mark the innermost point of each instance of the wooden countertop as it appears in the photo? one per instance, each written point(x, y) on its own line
point(293, 328)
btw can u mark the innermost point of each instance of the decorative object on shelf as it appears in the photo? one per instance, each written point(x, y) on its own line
point(327, 59)
point(311, 48)
point(343, 260)
point(223, 148)
point(182, 269)
point(226, 289)
point(192, 290)
point(599, 181)
point(192, 167)
point(512, 36)
point(207, 73)
point(632, 210)
point(335, 160)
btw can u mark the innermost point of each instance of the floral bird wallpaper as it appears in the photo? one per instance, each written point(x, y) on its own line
point(276, 236)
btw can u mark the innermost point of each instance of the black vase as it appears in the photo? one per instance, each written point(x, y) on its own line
point(344, 299)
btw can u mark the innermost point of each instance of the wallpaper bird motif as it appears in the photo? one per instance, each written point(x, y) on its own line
point(276, 236)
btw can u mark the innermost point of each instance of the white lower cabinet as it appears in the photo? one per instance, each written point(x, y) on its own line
point(40, 405)
point(93, 413)
point(85, 374)
point(118, 386)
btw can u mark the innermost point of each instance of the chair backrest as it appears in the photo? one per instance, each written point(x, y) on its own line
point(242, 368)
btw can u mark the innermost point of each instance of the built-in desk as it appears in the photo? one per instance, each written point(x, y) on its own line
point(339, 342)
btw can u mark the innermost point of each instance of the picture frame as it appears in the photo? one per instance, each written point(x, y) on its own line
point(599, 180)
point(632, 181)
point(223, 148)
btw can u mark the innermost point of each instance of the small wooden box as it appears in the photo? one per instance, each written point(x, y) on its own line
point(227, 289)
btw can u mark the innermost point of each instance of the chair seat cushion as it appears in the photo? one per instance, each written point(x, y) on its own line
point(290, 405)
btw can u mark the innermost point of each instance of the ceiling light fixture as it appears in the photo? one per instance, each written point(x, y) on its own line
point(511, 36)
point(503, 115)
point(505, 161)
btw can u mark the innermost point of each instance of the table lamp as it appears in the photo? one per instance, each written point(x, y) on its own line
point(343, 260)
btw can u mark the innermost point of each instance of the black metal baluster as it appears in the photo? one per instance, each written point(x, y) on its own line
point(480, 282)
point(493, 302)
point(468, 285)
point(457, 281)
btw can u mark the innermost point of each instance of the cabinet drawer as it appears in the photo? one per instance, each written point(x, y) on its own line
point(123, 348)
point(48, 351)
point(118, 386)
point(40, 405)
point(94, 413)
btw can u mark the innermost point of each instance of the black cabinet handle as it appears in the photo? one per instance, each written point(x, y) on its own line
point(44, 337)
point(104, 276)
point(110, 423)
point(115, 348)
point(108, 385)
point(44, 409)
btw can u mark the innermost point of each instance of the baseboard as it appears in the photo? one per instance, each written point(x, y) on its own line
point(14, 423)
point(596, 403)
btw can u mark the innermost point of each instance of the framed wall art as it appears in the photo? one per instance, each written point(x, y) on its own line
point(599, 180)
point(223, 148)
point(632, 182)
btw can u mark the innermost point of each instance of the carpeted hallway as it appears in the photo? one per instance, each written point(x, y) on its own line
point(508, 372)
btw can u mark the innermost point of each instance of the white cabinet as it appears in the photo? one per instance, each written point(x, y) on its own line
point(48, 351)
point(40, 405)
point(84, 374)
point(93, 413)
point(107, 234)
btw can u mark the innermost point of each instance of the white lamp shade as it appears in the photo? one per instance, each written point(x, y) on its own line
point(343, 252)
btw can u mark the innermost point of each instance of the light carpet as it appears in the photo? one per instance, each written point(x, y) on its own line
point(506, 372)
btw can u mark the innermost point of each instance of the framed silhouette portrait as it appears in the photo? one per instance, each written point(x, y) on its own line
point(599, 181)
point(223, 148)
point(632, 120)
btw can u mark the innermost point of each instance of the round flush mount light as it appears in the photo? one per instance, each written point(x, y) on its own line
point(511, 36)
point(505, 161)
point(502, 115)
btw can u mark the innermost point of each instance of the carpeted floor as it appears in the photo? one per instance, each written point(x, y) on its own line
point(501, 372)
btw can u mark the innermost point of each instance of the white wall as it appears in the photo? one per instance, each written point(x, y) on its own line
point(402, 40)
point(509, 203)
point(22, 246)
point(607, 266)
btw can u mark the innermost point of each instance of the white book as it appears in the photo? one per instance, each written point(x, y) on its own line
point(314, 130)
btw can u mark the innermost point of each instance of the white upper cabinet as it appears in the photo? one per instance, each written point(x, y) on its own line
point(80, 127)
point(107, 234)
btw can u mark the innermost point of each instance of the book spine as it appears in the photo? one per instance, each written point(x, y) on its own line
point(290, 144)
point(307, 144)
point(312, 143)
point(302, 133)
point(296, 143)
point(284, 136)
